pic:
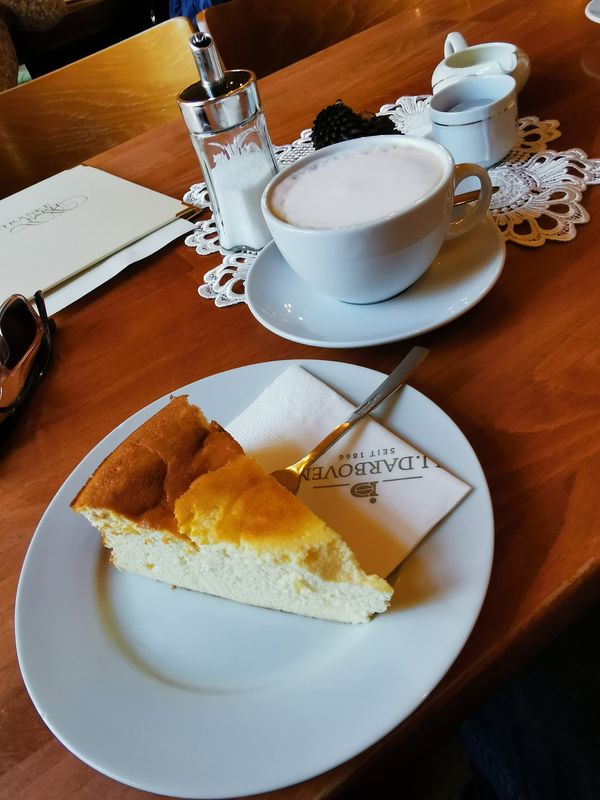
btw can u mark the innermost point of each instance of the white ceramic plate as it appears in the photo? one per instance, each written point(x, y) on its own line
point(592, 10)
point(189, 695)
point(462, 274)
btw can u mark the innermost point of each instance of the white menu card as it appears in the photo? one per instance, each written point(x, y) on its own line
point(65, 224)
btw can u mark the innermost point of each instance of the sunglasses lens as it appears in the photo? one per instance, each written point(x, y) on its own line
point(18, 328)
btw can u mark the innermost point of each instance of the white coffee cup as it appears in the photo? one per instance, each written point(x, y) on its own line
point(476, 118)
point(367, 260)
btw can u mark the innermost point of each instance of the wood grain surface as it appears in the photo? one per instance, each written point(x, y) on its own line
point(518, 374)
point(66, 116)
point(293, 29)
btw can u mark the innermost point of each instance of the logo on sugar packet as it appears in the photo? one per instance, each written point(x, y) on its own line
point(376, 469)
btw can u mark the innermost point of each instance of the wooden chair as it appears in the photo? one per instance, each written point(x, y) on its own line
point(267, 35)
point(57, 120)
point(87, 27)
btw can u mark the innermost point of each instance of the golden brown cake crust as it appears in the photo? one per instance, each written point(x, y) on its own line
point(144, 476)
point(241, 503)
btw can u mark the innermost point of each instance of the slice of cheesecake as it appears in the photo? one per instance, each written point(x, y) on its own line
point(178, 501)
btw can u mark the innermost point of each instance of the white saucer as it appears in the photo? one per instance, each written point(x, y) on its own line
point(462, 274)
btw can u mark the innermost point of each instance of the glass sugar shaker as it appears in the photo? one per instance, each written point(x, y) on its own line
point(227, 126)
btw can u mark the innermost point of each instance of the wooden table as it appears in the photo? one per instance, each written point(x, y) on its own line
point(518, 373)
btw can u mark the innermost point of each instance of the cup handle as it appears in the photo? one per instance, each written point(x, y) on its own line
point(476, 212)
point(455, 41)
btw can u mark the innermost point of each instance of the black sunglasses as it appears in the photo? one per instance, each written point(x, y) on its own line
point(25, 350)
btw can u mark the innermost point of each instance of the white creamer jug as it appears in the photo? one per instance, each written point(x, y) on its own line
point(491, 58)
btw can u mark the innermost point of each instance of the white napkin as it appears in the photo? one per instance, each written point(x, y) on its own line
point(380, 493)
point(85, 282)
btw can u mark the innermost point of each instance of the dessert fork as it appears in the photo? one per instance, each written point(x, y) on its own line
point(289, 477)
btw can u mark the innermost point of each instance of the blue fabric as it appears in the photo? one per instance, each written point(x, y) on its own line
point(189, 8)
point(538, 737)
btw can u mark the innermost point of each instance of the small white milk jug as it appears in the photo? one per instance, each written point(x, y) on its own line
point(491, 58)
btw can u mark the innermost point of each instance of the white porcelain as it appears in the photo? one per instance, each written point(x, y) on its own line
point(486, 129)
point(373, 261)
point(491, 58)
point(461, 275)
point(592, 10)
point(187, 695)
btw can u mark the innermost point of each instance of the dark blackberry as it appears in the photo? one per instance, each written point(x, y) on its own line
point(338, 123)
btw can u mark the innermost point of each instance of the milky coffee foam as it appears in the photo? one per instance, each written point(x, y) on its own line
point(351, 187)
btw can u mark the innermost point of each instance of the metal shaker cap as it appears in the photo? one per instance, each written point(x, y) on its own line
point(221, 99)
point(204, 113)
point(208, 63)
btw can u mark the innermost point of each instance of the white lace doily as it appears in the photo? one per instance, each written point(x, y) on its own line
point(537, 194)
